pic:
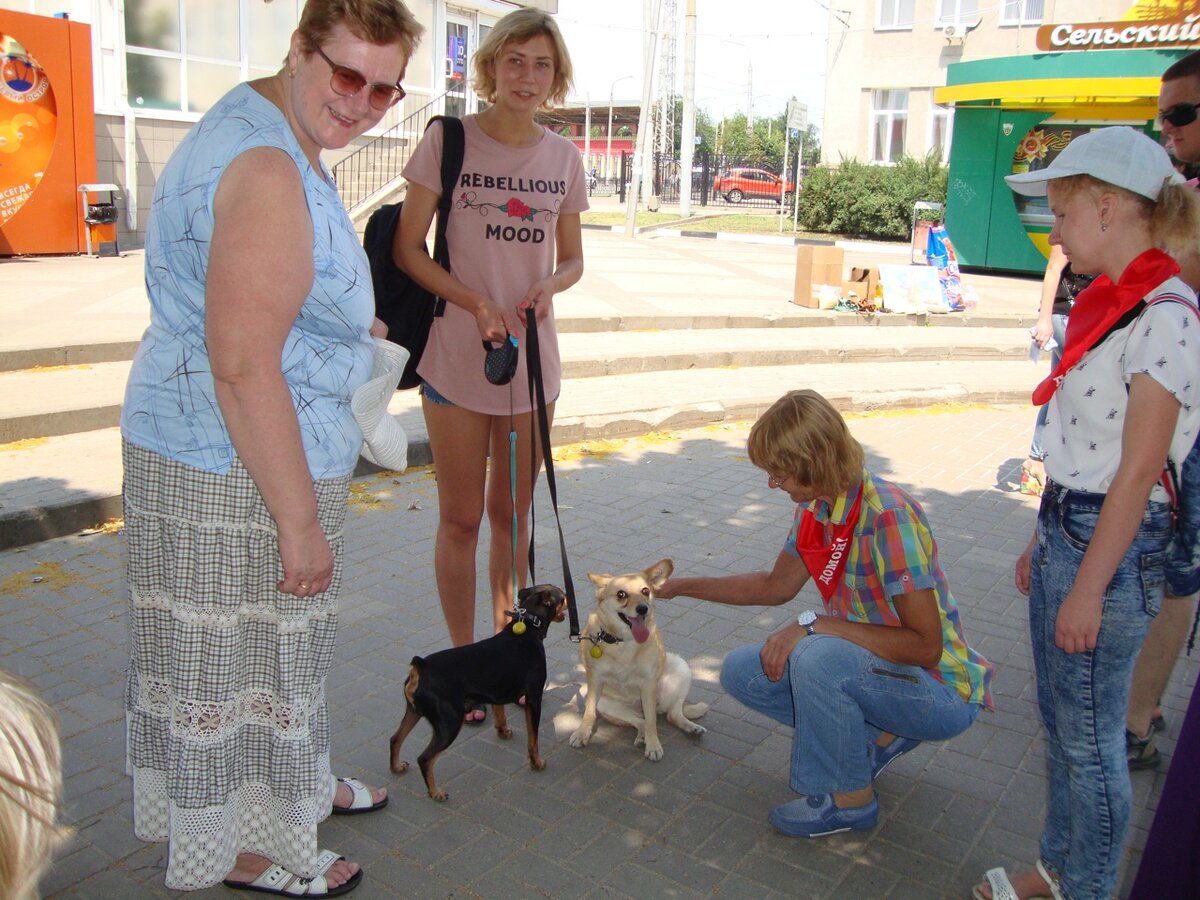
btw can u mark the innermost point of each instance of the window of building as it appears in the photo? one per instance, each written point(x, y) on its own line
point(895, 14)
point(183, 55)
point(889, 122)
point(1022, 12)
point(957, 12)
point(941, 126)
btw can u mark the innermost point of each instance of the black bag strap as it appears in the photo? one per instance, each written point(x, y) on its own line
point(537, 400)
point(454, 146)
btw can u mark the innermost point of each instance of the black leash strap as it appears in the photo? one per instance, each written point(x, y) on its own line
point(533, 363)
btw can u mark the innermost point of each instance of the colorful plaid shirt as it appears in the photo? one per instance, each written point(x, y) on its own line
point(893, 553)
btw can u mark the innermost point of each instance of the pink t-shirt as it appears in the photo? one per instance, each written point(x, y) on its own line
point(501, 238)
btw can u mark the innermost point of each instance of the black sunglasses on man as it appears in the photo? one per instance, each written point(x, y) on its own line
point(1180, 114)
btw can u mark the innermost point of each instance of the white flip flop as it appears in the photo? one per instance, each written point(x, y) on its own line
point(360, 801)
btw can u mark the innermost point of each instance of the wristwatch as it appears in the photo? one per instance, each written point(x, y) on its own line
point(808, 618)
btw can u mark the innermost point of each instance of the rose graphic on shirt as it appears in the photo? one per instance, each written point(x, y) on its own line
point(518, 210)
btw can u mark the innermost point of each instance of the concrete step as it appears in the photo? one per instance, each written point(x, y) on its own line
point(62, 484)
point(60, 400)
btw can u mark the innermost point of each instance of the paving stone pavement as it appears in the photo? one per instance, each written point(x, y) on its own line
point(603, 821)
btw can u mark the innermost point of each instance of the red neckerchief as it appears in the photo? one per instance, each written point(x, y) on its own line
point(1100, 306)
point(825, 546)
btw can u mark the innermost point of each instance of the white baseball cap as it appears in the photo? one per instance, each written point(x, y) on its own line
point(1118, 155)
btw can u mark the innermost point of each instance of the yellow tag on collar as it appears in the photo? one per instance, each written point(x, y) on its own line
point(596, 651)
point(518, 627)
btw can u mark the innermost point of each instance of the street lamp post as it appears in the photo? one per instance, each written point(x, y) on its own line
point(608, 153)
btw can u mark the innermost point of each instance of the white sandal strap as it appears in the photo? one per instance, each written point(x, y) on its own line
point(1055, 891)
point(1002, 888)
point(360, 796)
point(277, 878)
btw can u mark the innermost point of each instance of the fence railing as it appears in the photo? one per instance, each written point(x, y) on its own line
point(376, 166)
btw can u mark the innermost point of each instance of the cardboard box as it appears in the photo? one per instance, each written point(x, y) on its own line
point(862, 281)
point(817, 265)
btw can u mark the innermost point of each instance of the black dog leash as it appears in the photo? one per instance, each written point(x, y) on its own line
point(533, 363)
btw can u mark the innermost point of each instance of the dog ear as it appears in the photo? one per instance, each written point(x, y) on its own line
point(599, 580)
point(658, 573)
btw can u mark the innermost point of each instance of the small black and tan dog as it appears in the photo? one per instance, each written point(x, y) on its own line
point(498, 670)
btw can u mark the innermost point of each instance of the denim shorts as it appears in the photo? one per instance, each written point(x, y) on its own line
point(429, 391)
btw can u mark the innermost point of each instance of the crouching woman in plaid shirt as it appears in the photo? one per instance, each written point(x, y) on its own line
point(886, 665)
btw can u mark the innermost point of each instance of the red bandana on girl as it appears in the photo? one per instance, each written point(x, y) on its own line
point(825, 546)
point(1100, 306)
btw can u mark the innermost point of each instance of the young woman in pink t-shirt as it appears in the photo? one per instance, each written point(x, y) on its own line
point(515, 241)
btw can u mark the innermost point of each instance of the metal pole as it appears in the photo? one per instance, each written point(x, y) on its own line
point(650, 51)
point(687, 141)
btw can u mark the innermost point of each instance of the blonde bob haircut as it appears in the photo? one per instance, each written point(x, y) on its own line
point(30, 787)
point(518, 27)
point(380, 22)
point(804, 437)
point(1174, 218)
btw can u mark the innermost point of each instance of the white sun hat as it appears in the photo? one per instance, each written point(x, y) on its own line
point(385, 443)
point(1118, 155)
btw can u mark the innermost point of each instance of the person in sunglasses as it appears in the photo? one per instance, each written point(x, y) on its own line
point(515, 243)
point(239, 444)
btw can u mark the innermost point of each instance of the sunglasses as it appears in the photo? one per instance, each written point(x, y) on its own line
point(347, 82)
point(1180, 114)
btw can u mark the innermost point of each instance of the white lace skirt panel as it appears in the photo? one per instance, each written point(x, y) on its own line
point(228, 729)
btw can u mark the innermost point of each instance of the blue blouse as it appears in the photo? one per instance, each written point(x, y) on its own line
point(170, 405)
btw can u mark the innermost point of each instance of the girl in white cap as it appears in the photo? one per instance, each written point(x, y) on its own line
point(1125, 395)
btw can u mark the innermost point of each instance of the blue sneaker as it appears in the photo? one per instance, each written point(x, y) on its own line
point(882, 757)
point(817, 816)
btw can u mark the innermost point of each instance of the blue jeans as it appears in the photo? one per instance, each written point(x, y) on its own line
point(1058, 325)
point(839, 697)
point(1083, 696)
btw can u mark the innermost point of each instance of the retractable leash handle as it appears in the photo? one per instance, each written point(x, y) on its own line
point(537, 400)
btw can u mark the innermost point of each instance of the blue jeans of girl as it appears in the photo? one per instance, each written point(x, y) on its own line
point(839, 697)
point(1083, 696)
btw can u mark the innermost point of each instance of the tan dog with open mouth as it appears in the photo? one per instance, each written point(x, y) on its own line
point(630, 676)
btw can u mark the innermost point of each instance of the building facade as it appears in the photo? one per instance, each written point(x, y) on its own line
point(885, 59)
point(158, 65)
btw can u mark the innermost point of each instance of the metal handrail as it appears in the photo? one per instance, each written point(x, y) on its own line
point(376, 166)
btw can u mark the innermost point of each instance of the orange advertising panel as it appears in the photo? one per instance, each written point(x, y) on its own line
point(28, 124)
point(47, 133)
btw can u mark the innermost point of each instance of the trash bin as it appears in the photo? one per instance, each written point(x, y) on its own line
point(926, 214)
point(100, 216)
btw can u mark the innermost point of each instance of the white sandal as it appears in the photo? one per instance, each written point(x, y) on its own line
point(360, 799)
point(1002, 888)
point(279, 881)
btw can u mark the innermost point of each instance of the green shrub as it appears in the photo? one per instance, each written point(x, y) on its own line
point(870, 200)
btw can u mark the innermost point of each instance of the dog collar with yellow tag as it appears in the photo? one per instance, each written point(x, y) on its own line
point(601, 636)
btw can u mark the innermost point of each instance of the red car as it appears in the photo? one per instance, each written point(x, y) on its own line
point(734, 184)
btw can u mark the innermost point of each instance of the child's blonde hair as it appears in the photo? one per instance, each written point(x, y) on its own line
point(1174, 217)
point(30, 787)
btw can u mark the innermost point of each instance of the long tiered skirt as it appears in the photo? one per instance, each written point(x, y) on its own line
point(228, 731)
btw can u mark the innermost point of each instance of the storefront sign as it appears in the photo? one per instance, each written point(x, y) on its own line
point(1180, 32)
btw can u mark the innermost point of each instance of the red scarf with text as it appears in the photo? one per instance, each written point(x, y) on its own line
point(1100, 306)
point(825, 546)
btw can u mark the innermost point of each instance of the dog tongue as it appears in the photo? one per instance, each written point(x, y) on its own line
point(639, 629)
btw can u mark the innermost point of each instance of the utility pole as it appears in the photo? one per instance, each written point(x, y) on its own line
point(687, 141)
point(650, 18)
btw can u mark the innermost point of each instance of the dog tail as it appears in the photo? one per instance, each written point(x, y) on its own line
point(695, 710)
point(413, 681)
